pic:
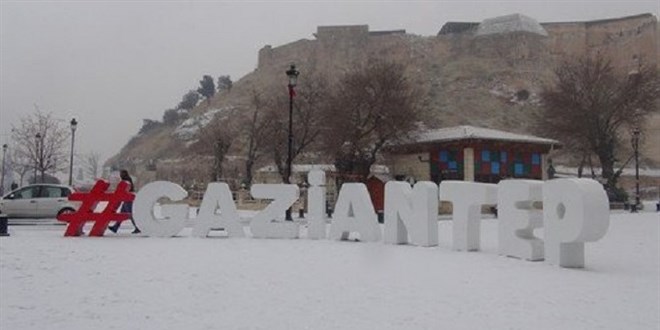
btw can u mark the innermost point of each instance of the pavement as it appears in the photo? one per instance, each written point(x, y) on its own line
point(34, 221)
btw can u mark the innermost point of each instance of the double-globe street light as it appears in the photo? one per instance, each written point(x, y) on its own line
point(74, 125)
point(292, 73)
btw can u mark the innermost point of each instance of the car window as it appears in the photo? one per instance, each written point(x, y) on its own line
point(65, 192)
point(25, 193)
point(50, 192)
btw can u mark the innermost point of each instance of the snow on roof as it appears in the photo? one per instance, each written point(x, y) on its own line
point(510, 23)
point(472, 132)
point(300, 168)
point(383, 177)
point(628, 171)
point(303, 168)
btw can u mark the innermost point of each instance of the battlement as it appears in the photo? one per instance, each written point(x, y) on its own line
point(626, 39)
point(471, 27)
point(334, 32)
point(458, 27)
point(386, 33)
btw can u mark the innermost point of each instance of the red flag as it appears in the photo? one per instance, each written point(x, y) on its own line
point(292, 91)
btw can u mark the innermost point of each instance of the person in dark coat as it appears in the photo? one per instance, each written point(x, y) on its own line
point(126, 207)
point(551, 170)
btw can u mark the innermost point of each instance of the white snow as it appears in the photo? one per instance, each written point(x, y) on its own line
point(627, 171)
point(305, 168)
point(189, 128)
point(471, 132)
point(124, 281)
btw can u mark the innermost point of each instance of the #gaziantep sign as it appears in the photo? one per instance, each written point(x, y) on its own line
point(570, 211)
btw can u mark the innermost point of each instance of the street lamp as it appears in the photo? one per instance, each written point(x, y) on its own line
point(37, 158)
point(292, 73)
point(2, 181)
point(636, 150)
point(74, 125)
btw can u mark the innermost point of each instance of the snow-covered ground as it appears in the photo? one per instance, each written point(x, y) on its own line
point(125, 281)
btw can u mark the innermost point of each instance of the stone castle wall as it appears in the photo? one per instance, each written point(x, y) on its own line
point(626, 40)
point(291, 52)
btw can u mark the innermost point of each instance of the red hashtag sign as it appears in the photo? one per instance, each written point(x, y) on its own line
point(89, 201)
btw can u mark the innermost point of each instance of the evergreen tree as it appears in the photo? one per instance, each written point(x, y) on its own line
point(224, 83)
point(207, 87)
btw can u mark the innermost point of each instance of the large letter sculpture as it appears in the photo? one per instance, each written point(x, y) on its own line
point(174, 215)
point(263, 224)
point(411, 212)
point(316, 202)
point(354, 212)
point(518, 218)
point(575, 211)
point(466, 199)
point(217, 195)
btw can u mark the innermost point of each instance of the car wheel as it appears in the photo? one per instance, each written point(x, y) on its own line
point(65, 211)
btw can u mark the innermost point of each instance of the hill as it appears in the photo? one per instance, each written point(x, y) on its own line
point(486, 74)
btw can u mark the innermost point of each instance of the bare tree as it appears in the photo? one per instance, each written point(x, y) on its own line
point(13, 168)
point(214, 140)
point(371, 106)
point(311, 97)
point(40, 140)
point(21, 168)
point(17, 165)
point(255, 132)
point(92, 164)
point(591, 103)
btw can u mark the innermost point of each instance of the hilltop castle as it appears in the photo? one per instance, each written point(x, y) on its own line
point(517, 37)
point(486, 74)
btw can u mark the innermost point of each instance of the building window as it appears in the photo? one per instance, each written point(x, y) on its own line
point(485, 155)
point(447, 164)
point(495, 165)
point(519, 169)
point(490, 165)
point(527, 165)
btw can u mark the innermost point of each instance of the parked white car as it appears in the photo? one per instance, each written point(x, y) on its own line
point(38, 201)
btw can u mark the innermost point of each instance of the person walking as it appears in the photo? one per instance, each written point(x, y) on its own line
point(126, 207)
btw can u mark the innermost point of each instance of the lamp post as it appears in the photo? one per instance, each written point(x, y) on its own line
point(636, 150)
point(2, 181)
point(74, 125)
point(292, 73)
point(37, 157)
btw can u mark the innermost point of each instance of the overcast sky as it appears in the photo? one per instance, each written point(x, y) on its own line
point(110, 64)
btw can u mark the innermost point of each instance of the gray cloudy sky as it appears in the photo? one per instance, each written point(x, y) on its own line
point(112, 63)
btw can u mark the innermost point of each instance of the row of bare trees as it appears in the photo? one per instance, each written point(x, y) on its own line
point(593, 104)
point(347, 121)
point(38, 143)
point(589, 108)
point(38, 149)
